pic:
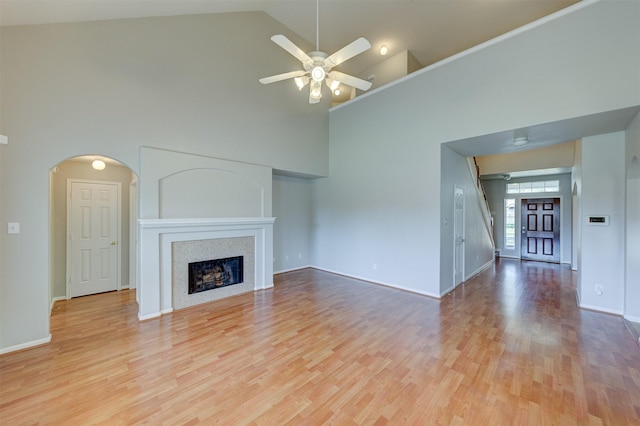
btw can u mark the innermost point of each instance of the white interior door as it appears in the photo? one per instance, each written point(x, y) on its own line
point(93, 226)
point(458, 236)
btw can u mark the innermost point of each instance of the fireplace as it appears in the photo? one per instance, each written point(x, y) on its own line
point(167, 246)
point(221, 267)
point(211, 274)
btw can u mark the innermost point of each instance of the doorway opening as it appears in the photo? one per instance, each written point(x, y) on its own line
point(93, 227)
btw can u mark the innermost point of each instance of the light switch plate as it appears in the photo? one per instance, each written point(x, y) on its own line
point(13, 228)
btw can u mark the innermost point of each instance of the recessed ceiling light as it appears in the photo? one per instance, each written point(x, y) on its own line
point(98, 164)
point(384, 50)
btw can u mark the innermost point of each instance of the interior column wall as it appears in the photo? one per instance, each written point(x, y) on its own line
point(632, 237)
point(603, 194)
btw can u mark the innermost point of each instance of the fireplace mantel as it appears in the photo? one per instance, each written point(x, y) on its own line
point(154, 253)
point(198, 222)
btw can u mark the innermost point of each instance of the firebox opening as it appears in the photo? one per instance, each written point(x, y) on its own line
point(216, 273)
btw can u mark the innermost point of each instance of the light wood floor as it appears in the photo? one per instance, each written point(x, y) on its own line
point(507, 348)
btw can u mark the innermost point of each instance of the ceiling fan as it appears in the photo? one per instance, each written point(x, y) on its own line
point(318, 66)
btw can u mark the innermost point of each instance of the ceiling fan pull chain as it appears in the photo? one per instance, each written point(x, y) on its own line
point(317, 24)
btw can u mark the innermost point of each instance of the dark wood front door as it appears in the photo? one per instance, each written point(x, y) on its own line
point(540, 229)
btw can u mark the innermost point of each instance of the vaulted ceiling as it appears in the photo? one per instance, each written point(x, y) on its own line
point(430, 29)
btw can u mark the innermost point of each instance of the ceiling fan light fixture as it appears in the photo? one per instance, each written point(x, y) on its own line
point(316, 90)
point(317, 73)
point(334, 85)
point(301, 81)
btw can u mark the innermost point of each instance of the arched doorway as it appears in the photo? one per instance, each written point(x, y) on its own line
point(81, 172)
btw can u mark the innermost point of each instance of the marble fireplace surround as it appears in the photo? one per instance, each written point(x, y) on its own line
point(155, 289)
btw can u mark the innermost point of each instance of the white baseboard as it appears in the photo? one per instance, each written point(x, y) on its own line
point(600, 309)
point(148, 317)
point(447, 291)
point(632, 318)
point(382, 283)
point(480, 269)
point(53, 302)
point(26, 345)
point(297, 268)
point(506, 256)
point(476, 272)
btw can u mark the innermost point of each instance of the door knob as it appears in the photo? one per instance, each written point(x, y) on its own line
point(113, 243)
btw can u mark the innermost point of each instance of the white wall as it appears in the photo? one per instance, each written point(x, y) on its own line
point(110, 87)
point(169, 175)
point(381, 203)
point(603, 193)
point(632, 272)
point(293, 209)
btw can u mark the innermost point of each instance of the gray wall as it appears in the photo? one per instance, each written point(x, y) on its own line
point(293, 209)
point(185, 83)
point(381, 203)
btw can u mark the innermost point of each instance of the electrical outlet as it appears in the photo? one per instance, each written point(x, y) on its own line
point(299, 255)
point(599, 290)
point(13, 228)
point(375, 266)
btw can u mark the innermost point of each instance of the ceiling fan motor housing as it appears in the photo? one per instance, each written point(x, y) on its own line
point(317, 67)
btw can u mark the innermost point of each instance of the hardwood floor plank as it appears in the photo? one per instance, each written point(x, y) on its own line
point(508, 347)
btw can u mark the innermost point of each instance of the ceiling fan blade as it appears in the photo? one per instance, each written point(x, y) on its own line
point(348, 52)
point(280, 77)
point(350, 80)
point(288, 45)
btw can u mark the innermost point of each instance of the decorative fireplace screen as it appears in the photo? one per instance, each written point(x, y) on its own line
point(216, 273)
